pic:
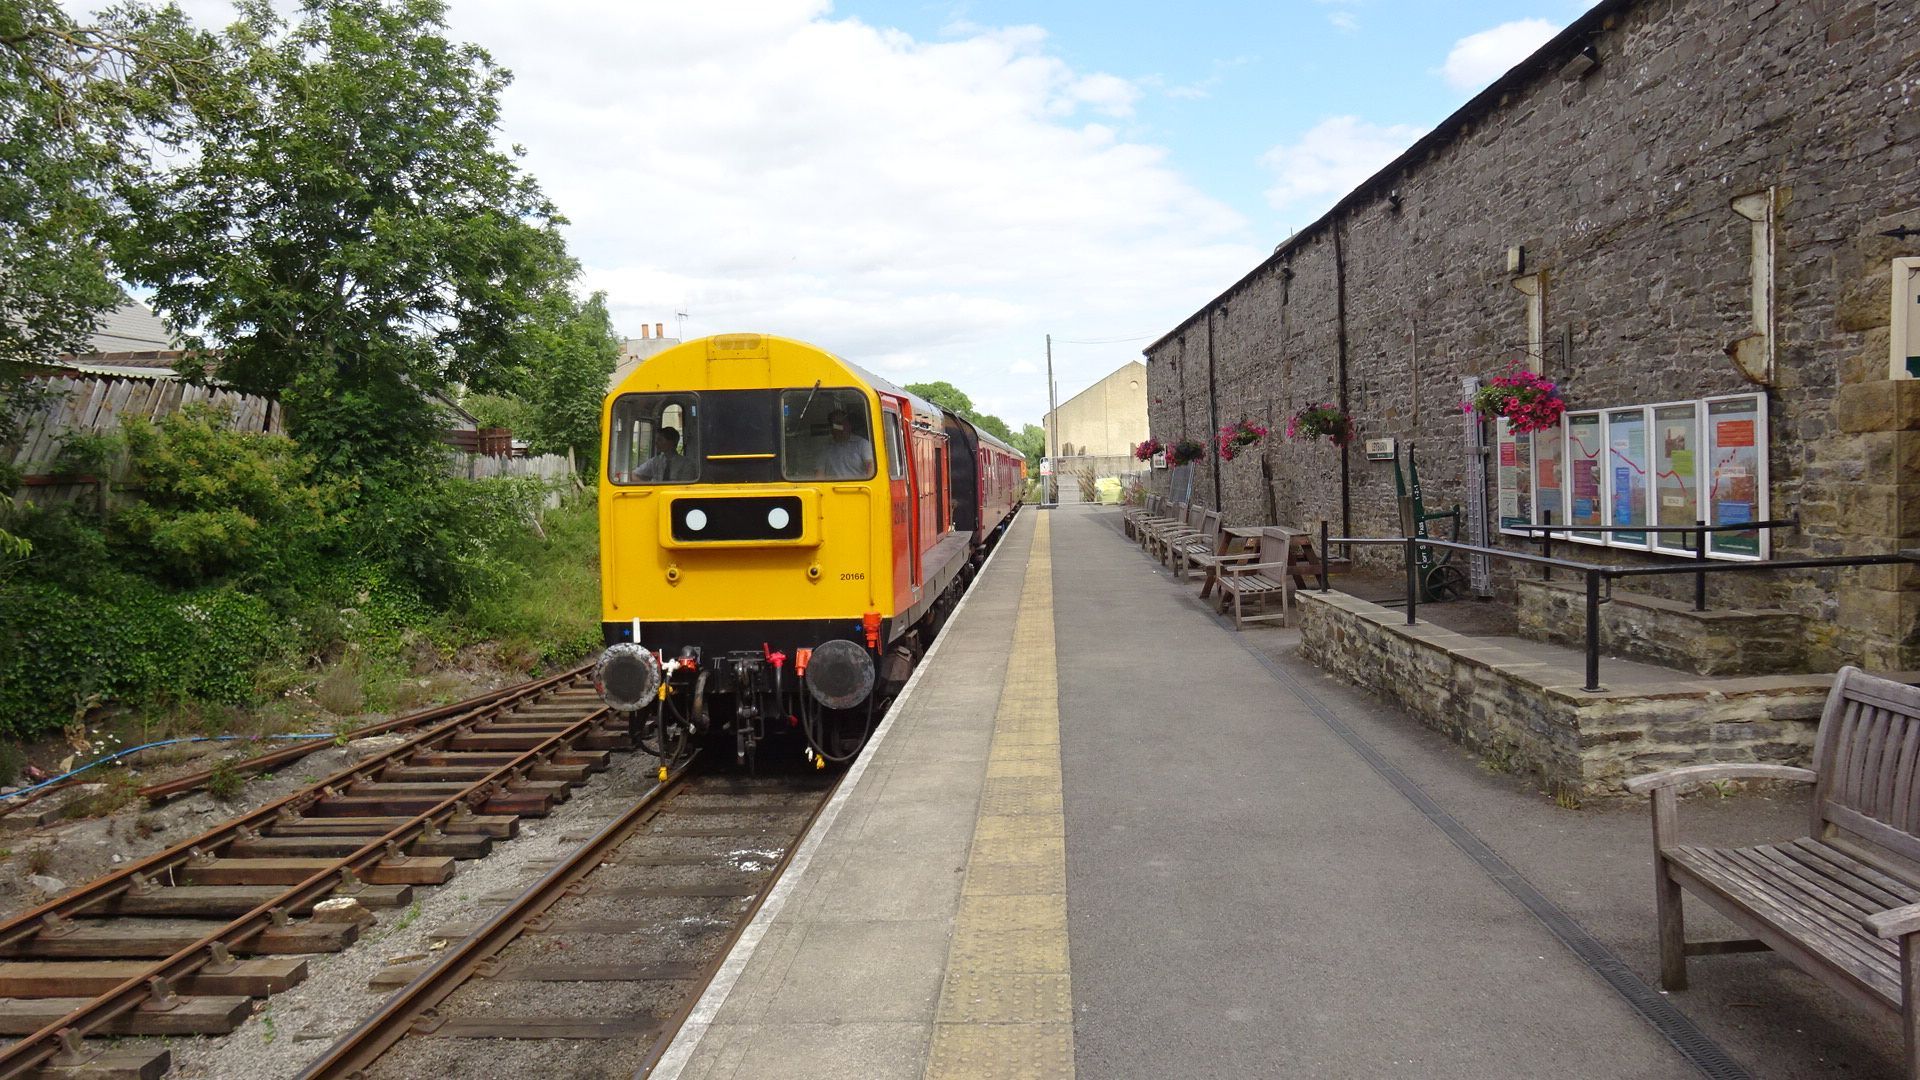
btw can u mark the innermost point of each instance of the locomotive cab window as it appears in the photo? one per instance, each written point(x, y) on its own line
point(654, 439)
point(896, 448)
point(825, 434)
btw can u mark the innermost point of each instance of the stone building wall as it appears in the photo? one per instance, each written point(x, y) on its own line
point(1618, 185)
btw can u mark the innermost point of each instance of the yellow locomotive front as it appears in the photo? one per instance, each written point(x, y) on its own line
point(745, 538)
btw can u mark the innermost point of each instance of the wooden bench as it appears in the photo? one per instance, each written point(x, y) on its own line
point(1171, 516)
point(1843, 903)
point(1204, 544)
point(1161, 537)
point(1265, 577)
point(1149, 508)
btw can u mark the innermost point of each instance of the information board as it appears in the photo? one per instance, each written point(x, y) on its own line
point(1676, 472)
point(1586, 450)
point(1626, 469)
point(1736, 474)
point(1549, 494)
point(1513, 460)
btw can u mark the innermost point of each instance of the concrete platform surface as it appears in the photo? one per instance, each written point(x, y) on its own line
point(1104, 835)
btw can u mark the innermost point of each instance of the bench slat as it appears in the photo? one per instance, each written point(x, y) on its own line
point(1891, 892)
point(1782, 902)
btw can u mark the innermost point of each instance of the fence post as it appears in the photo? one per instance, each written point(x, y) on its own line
point(1546, 544)
point(1413, 578)
point(1700, 555)
point(1593, 631)
point(1325, 586)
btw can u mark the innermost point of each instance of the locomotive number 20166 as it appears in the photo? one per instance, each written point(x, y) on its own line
point(857, 575)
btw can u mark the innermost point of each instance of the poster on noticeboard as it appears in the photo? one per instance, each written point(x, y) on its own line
point(1676, 482)
point(1626, 469)
point(1514, 464)
point(1585, 457)
point(1736, 471)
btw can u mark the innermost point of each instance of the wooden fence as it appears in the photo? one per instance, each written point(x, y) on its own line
point(95, 404)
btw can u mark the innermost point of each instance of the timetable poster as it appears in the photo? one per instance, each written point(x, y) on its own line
point(1549, 497)
point(1627, 468)
point(1585, 455)
point(1734, 471)
point(1514, 459)
point(1676, 475)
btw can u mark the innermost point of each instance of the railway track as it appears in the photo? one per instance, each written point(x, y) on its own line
point(591, 970)
point(183, 942)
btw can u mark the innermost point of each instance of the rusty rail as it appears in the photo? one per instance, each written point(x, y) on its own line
point(275, 758)
point(340, 876)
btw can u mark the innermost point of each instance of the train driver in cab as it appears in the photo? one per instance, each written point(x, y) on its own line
point(667, 465)
point(849, 454)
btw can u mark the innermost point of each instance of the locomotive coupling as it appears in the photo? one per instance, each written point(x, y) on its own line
point(627, 677)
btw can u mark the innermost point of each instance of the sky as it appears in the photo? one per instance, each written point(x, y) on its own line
point(930, 189)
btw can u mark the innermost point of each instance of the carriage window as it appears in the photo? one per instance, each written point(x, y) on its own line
point(654, 439)
point(825, 434)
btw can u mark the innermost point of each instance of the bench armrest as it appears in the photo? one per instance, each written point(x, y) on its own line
point(1688, 775)
point(1894, 922)
point(1239, 570)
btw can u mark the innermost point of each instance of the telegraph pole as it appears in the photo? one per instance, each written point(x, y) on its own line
point(1051, 482)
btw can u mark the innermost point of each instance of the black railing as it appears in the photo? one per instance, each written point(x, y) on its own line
point(1699, 529)
point(1594, 574)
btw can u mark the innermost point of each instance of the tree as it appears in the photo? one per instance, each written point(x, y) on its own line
point(574, 354)
point(953, 399)
point(73, 99)
point(345, 234)
point(1032, 441)
point(944, 394)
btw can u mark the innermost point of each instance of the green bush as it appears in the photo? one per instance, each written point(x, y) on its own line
point(63, 650)
point(216, 502)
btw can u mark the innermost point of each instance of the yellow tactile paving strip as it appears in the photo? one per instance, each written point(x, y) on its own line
point(1006, 1006)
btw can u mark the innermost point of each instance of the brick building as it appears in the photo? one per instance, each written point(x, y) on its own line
point(1689, 214)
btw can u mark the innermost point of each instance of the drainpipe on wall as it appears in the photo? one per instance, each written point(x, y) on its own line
point(1213, 413)
point(1340, 352)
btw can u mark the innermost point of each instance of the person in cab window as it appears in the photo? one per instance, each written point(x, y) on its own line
point(666, 465)
point(849, 455)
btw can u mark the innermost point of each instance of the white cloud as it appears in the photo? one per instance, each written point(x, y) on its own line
point(929, 209)
point(1478, 59)
point(1327, 161)
point(1344, 20)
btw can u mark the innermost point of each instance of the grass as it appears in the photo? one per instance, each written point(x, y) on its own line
point(224, 781)
point(551, 616)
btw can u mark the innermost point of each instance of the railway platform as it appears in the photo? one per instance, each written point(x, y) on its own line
point(1104, 835)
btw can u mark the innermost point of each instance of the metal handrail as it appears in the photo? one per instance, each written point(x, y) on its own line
point(1595, 573)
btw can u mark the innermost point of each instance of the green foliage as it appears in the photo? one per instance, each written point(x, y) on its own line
point(73, 99)
point(125, 639)
point(1032, 441)
point(345, 232)
point(944, 394)
point(500, 411)
point(551, 613)
point(446, 537)
point(224, 781)
point(573, 355)
point(953, 399)
point(217, 501)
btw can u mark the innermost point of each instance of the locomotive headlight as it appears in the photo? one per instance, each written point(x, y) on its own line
point(696, 520)
point(627, 677)
point(840, 674)
point(778, 517)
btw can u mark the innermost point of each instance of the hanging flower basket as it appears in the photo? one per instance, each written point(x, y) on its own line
point(1146, 450)
point(1527, 399)
point(1237, 436)
point(1185, 452)
point(1325, 420)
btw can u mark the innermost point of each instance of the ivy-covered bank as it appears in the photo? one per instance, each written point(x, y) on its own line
point(233, 572)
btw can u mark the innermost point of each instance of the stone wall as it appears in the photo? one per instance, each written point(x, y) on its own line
point(1665, 632)
point(1524, 715)
point(1619, 186)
